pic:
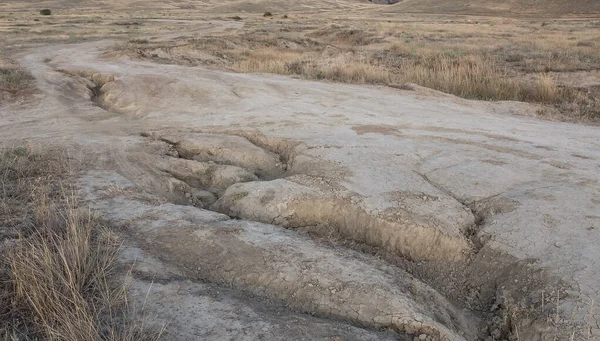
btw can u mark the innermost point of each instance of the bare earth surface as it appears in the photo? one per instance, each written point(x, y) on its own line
point(262, 206)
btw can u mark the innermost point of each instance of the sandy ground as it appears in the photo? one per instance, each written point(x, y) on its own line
point(257, 201)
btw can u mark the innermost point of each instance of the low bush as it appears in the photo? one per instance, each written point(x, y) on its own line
point(139, 41)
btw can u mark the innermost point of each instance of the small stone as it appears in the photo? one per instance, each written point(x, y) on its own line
point(423, 337)
point(188, 195)
point(206, 197)
point(496, 333)
point(172, 152)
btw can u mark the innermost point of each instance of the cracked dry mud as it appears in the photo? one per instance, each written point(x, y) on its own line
point(256, 206)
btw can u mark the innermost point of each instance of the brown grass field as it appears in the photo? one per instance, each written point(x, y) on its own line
point(539, 59)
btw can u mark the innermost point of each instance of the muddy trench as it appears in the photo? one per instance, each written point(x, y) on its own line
point(481, 281)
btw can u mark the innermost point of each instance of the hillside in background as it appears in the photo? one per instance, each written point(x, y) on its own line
point(494, 7)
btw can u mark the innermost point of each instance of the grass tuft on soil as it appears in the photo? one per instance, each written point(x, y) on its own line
point(14, 80)
point(57, 262)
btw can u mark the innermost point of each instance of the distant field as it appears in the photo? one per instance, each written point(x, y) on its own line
point(484, 58)
point(548, 60)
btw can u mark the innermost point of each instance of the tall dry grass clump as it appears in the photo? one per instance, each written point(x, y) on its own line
point(470, 76)
point(345, 68)
point(58, 264)
point(267, 60)
point(58, 279)
point(545, 90)
point(477, 77)
point(24, 170)
point(14, 80)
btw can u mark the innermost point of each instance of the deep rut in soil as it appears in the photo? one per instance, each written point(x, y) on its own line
point(232, 175)
point(229, 166)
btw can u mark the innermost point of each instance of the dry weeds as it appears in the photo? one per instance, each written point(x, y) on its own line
point(58, 263)
point(14, 81)
point(481, 58)
point(469, 76)
point(345, 68)
point(491, 59)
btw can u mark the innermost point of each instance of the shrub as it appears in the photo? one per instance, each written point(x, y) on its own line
point(139, 41)
point(237, 18)
point(46, 12)
point(585, 44)
point(267, 14)
point(353, 37)
point(14, 80)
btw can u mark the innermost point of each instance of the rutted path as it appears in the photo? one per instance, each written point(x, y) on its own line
point(474, 209)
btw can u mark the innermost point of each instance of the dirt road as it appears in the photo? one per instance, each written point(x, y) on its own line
point(367, 207)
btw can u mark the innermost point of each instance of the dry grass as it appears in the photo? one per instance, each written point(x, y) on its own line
point(476, 77)
point(491, 59)
point(470, 77)
point(345, 68)
point(25, 170)
point(14, 81)
point(58, 265)
point(546, 91)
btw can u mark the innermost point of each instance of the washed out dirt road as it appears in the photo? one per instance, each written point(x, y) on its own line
point(273, 207)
